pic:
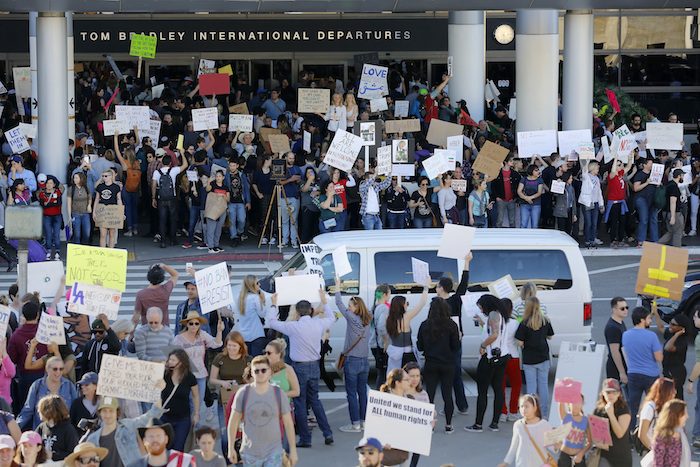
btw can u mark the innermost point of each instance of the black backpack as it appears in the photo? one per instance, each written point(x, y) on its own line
point(166, 188)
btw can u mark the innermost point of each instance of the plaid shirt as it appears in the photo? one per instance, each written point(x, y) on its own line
point(365, 185)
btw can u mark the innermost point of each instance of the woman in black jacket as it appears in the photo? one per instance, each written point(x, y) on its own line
point(438, 339)
point(85, 407)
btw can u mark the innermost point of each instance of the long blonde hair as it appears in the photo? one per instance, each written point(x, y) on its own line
point(669, 418)
point(533, 316)
point(248, 286)
point(350, 100)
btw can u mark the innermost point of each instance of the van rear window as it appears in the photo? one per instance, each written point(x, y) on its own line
point(548, 269)
point(394, 268)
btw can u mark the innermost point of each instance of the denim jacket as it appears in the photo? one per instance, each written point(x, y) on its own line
point(29, 415)
point(126, 437)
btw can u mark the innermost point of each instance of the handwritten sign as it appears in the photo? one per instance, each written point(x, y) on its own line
point(456, 144)
point(625, 143)
point(50, 330)
point(143, 46)
point(240, 122)
point(314, 100)
point(600, 430)
point(490, 160)
point(367, 133)
point(420, 270)
point(378, 105)
point(665, 136)
point(206, 66)
point(400, 109)
point(44, 277)
point(383, 160)
point(436, 166)
point(448, 156)
point(343, 150)
point(570, 140)
point(558, 187)
point(312, 256)
point(402, 126)
point(213, 287)
point(456, 241)
point(400, 422)
point(205, 119)
point(373, 83)
point(279, 144)
point(439, 131)
point(17, 141)
point(291, 289)
point(93, 300)
point(657, 174)
point(662, 271)
point(537, 143)
point(5, 313)
point(22, 77)
point(96, 266)
point(557, 435)
point(459, 185)
point(109, 216)
point(152, 132)
point(568, 391)
point(134, 116)
point(341, 263)
point(504, 287)
point(28, 130)
point(306, 142)
point(403, 170)
point(130, 379)
point(112, 127)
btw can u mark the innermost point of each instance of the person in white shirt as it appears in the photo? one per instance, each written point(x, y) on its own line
point(336, 115)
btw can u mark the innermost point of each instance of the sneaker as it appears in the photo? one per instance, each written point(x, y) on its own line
point(494, 427)
point(244, 237)
point(463, 412)
point(202, 246)
point(598, 241)
point(283, 245)
point(57, 257)
point(295, 245)
point(503, 418)
point(264, 241)
point(156, 238)
point(48, 256)
point(692, 233)
point(198, 237)
point(273, 241)
point(474, 428)
point(449, 429)
point(513, 417)
point(213, 250)
point(352, 428)
point(128, 233)
point(218, 249)
point(362, 426)
point(328, 441)
point(186, 245)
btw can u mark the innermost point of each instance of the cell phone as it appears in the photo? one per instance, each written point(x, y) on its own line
point(188, 266)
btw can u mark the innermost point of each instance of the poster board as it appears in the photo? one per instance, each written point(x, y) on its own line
point(400, 109)
point(403, 170)
point(93, 300)
point(30, 131)
point(152, 132)
point(312, 256)
point(137, 116)
point(570, 140)
point(266, 132)
point(157, 90)
point(279, 144)
point(438, 131)
point(205, 119)
point(399, 151)
point(313, 100)
point(206, 66)
point(504, 288)
point(5, 313)
point(662, 271)
point(239, 109)
point(456, 145)
point(368, 133)
point(109, 216)
point(456, 241)
point(112, 127)
point(22, 77)
point(17, 141)
point(130, 379)
point(541, 142)
point(490, 160)
point(341, 263)
point(96, 266)
point(409, 125)
point(656, 175)
point(44, 277)
point(378, 105)
point(213, 287)
point(343, 150)
point(240, 122)
point(50, 330)
point(459, 185)
point(226, 69)
point(143, 46)
point(436, 165)
point(373, 82)
point(625, 142)
point(292, 289)
point(665, 136)
point(211, 84)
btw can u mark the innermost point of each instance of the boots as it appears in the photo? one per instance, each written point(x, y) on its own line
point(11, 262)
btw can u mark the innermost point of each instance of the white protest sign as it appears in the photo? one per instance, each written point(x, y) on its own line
point(22, 77)
point(93, 300)
point(192, 176)
point(367, 132)
point(421, 271)
point(450, 60)
point(3, 89)
point(458, 185)
point(400, 109)
point(400, 422)
point(665, 136)
point(403, 170)
point(625, 142)
point(512, 108)
point(504, 287)
point(152, 132)
point(607, 153)
point(586, 151)
point(436, 165)
point(130, 378)
point(44, 277)
point(456, 144)
point(157, 91)
point(687, 174)
point(50, 330)
point(205, 119)
point(240, 122)
point(292, 289)
point(341, 263)
point(343, 150)
point(137, 116)
point(657, 174)
point(399, 149)
point(558, 187)
point(17, 141)
point(213, 287)
point(456, 241)
point(541, 143)
point(112, 127)
point(5, 313)
point(378, 105)
point(28, 130)
point(307, 141)
point(384, 160)
point(205, 67)
point(373, 82)
point(448, 156)
point(570, 140)
point(557, 435)
point(312, 256)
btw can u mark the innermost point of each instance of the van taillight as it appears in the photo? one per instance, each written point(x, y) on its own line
point(587, 314)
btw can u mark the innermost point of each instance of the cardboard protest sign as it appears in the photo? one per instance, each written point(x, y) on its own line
point(213, 287)
point(570, 140)
point(143, 46)
point(662, 271)
point(439, 131)
point(400, 109)
point(5, 313)
point(557, 435)
point(313, 100)
point(96, 266)
point(312, 256)
point(456, 145)
point(152, 132)
point(665, 136)
point(130, 379)
point(192, 176)
point(306, 141)
point(17, 141)
point(459, 185)
point(490, 160)
point(378, 105)
point(367, 130)
point(343, 150)
point(44, 277)
point(29, 131)
point(266, 132)
point(50, 330)
point(22, 77)
point(227, 70)
point(373, 84)
point(456, 241)
point(279, 144)
point(240, 122)
point(109, 216)
point(341, 263)
point(657, 174)
point(157, 90)
point(239, 109)
point(399, 150)
point(558, 187)
point(435, 166)
point(383, 160)
point(93, 300)
point(292, 289)
point(420, 270)
point(400, 422)
point(206, 66)
point(205, 119)
point(137, 116)
point(567, 391)
point(504, 287)
point(541, 143)
point(600, 430)
point(403, 170)
point(402, 126)
point(214, 83)
point(112, 127)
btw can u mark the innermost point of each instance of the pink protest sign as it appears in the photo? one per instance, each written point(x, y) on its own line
point(600, 430)
point(613, 100)
point(567, 391)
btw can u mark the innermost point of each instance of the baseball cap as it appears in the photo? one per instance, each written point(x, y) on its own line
point(108, 403)
point(98, 325)
point(189, 283)
point(31, 437)
point(16, 158)
point(371, 442)
point(41, 178)
point(611, 384)
point(6, 442)
point(88, 378)
point(160, 152)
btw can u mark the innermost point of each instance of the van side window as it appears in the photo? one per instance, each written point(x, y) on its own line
point(349, 283)
point(548, 269)
point(394, 268)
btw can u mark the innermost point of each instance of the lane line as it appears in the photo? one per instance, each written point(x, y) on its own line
point(614, 268)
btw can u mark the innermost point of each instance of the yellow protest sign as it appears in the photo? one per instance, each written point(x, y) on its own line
point(143, 46)
point(92, 265)
point(227, 70)
point(662, 271)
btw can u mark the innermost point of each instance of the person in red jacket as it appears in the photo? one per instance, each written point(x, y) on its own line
point(50, 199)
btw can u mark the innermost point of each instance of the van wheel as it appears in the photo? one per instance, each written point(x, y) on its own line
point(693, 308)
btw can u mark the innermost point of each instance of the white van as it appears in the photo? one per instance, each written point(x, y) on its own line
point(549, 258)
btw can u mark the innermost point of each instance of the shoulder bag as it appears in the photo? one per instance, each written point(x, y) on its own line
point(340, 363)
point(547, 460)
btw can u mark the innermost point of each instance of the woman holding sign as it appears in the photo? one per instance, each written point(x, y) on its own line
point(612, 406)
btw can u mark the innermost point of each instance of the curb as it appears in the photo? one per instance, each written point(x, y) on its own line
point(630, 251)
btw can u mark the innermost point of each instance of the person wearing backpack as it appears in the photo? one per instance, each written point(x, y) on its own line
point(644, 201)
point(269, 418)
point(109, 194)
point(165, 198)
point(132, 185)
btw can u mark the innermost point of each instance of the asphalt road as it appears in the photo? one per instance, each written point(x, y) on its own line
point(610, 276)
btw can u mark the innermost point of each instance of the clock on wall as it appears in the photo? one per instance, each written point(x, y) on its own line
point(504, 34)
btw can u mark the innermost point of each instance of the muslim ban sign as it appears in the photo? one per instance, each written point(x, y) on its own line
point(130, 379)
point(213, 287)
point(343, 150)
point(314, 100)
point(143, 46)
point(96, 266)
point(93, 300)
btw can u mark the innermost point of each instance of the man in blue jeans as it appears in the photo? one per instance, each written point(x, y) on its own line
point(643, 353)
point(239, 201)
point(370, 188)
point(305, 351)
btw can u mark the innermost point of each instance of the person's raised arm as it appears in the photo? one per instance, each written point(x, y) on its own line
point(118, 151)
point(185, 162)
point(171, 271)
point(339, 299)
point(410, 314)
point(464, 281)
point(212, 140)
point(442, 85)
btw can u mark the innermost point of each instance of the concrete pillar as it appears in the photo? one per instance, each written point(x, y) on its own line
point(537, 69)
point(467, 47)
point(577, 85)
point(32, 66)
point(52, 93)
point(70, 74)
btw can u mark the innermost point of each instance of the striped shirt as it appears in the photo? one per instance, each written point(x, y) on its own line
point(150, 344)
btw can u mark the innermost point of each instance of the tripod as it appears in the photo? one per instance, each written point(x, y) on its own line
point(276, 191)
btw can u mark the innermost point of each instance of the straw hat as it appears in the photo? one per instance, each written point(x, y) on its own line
point(83, 448)
point(192, 315)
point(243, 135)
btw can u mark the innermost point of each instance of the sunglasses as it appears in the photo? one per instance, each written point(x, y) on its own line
point(625, 307)
point(89, 460)
point(259, 371)
point(57, 369)
point(153, 322)
point(106, 176)
point(194, 323)
point(98, 332)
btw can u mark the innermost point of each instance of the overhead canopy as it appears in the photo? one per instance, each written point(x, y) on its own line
point(349, 6)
